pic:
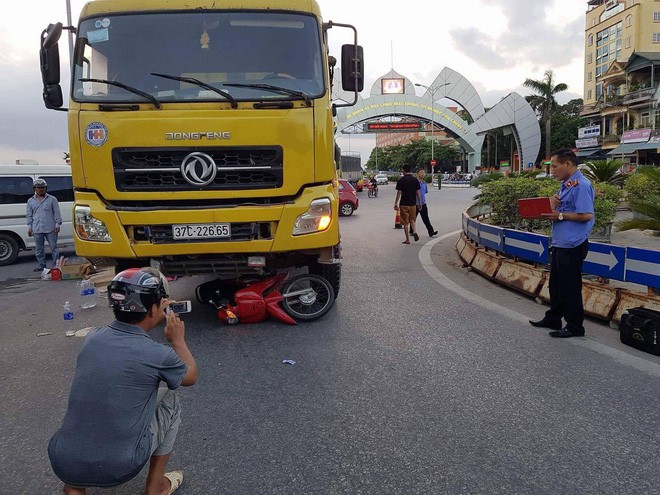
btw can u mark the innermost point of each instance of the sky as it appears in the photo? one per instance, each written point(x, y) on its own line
point(495, 44)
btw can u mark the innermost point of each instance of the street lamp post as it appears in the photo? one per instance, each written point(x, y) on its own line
point(432, 91)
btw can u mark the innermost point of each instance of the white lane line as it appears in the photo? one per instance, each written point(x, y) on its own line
point(619, 356)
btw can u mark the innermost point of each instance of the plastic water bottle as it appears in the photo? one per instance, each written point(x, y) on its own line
point(68, 314)
point(88, 295)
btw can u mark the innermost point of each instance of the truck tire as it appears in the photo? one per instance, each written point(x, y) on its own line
point(332, 273)
point(8, 249)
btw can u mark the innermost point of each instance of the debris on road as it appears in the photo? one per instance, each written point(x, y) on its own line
point(289, 361)
point(42, 334)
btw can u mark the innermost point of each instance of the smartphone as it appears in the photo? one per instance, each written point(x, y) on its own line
point(180, 307)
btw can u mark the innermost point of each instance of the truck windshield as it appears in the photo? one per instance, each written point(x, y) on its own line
point(231, 51)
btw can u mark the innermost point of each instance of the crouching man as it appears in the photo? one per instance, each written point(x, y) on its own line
point(118, 418)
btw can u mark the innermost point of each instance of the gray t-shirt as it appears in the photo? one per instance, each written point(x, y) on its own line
point(104, 439)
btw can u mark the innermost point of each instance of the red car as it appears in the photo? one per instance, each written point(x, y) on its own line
point(348, 200)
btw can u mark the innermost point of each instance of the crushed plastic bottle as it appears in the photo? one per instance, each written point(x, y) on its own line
point(88, 294)
point(68, 313)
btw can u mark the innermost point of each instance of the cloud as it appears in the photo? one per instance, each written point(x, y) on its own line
point(479, 47)
point(530, 37)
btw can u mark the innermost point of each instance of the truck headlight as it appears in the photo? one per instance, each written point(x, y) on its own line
point(316, 219)
point(89, 228)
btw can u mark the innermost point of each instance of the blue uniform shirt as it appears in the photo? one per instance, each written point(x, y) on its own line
point(423, 189)
point(577, 196)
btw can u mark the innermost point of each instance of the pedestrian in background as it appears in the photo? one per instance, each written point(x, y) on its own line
point(43, 221)
point(572, 220)
point(118, 418)
point(407, 199)
point(423, 210)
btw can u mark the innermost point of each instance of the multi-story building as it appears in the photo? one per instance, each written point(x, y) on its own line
point(622, 58)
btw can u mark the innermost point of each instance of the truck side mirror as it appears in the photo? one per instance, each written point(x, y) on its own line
point(352, 68)
point(49, 58)
point(53, 96)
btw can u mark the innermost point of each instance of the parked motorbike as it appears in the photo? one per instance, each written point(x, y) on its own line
point(302, 298)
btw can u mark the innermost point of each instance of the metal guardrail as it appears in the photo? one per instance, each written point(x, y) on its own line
point(627, 264)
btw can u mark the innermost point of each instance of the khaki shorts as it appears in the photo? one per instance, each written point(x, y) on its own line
point(407, 213)
point(165, 422)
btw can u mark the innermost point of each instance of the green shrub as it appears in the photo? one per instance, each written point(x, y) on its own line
point(639, 186)
point(485, 178)
point(502, 196)
point(608, 192)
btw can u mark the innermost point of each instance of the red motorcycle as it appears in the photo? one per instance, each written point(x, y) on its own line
point(301, 298)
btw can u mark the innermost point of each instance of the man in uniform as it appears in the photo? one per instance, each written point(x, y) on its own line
point(118, 418)
point(572, 220)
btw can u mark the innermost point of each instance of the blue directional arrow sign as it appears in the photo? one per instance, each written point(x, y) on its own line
point(643, 267)
point(473, 230)
point(491, 237)
point(605, 260)
point(465, 223)
point(532, 247)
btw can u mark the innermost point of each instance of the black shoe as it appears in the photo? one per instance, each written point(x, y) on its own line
point(431, 234)
point(416, 237)
point(565, 333)
point(39, 269)
point(553, 325)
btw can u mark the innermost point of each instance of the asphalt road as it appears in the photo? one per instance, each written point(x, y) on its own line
point(423, 379)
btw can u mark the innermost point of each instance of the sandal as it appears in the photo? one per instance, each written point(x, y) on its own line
point(405, 242)
point(176, 478)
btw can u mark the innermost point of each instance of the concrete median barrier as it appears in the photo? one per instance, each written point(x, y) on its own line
point(521, 277)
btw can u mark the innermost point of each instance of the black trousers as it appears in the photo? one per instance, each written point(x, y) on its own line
point(566, 285)
point(425, 218)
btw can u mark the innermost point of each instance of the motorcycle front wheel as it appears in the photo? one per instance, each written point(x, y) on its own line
point(307, 297)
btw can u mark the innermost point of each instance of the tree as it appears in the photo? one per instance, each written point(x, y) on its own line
point(604, 171)
point(544, 102)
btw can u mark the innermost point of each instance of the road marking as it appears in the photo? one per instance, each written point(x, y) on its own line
point(621, 357)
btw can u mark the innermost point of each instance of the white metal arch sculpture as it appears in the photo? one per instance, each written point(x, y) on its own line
point(513, 111)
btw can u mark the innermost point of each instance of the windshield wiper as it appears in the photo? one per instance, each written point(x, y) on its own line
point(136, 91)
point(192, 80)
point(276, 89)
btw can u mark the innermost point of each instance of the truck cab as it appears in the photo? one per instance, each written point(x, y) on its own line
point(201, 134)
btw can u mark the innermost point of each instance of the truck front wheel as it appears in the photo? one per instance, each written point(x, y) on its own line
point(330, 272)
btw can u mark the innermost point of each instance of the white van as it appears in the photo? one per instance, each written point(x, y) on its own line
point(15, 190)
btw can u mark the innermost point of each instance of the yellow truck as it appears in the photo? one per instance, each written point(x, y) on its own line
point(201, 134)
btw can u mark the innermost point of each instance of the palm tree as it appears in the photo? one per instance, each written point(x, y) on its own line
point(604, 171)
point(648, 206)
point(544, 102)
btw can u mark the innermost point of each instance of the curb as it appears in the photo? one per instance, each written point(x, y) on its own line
point(600, 300)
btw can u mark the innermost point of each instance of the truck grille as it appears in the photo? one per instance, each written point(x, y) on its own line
point(159, 169)
point(162, 234)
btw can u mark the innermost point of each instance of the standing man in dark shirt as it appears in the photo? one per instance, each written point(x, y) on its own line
point(118, 418)
point(407, 201)
point(572, 220)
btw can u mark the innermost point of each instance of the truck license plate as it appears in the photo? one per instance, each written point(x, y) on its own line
point(201, 231)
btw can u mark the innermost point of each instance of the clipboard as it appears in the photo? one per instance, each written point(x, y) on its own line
point(534, 207)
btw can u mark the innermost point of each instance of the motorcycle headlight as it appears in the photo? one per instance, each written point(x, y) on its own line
point(89, 228)
point(316, 219)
